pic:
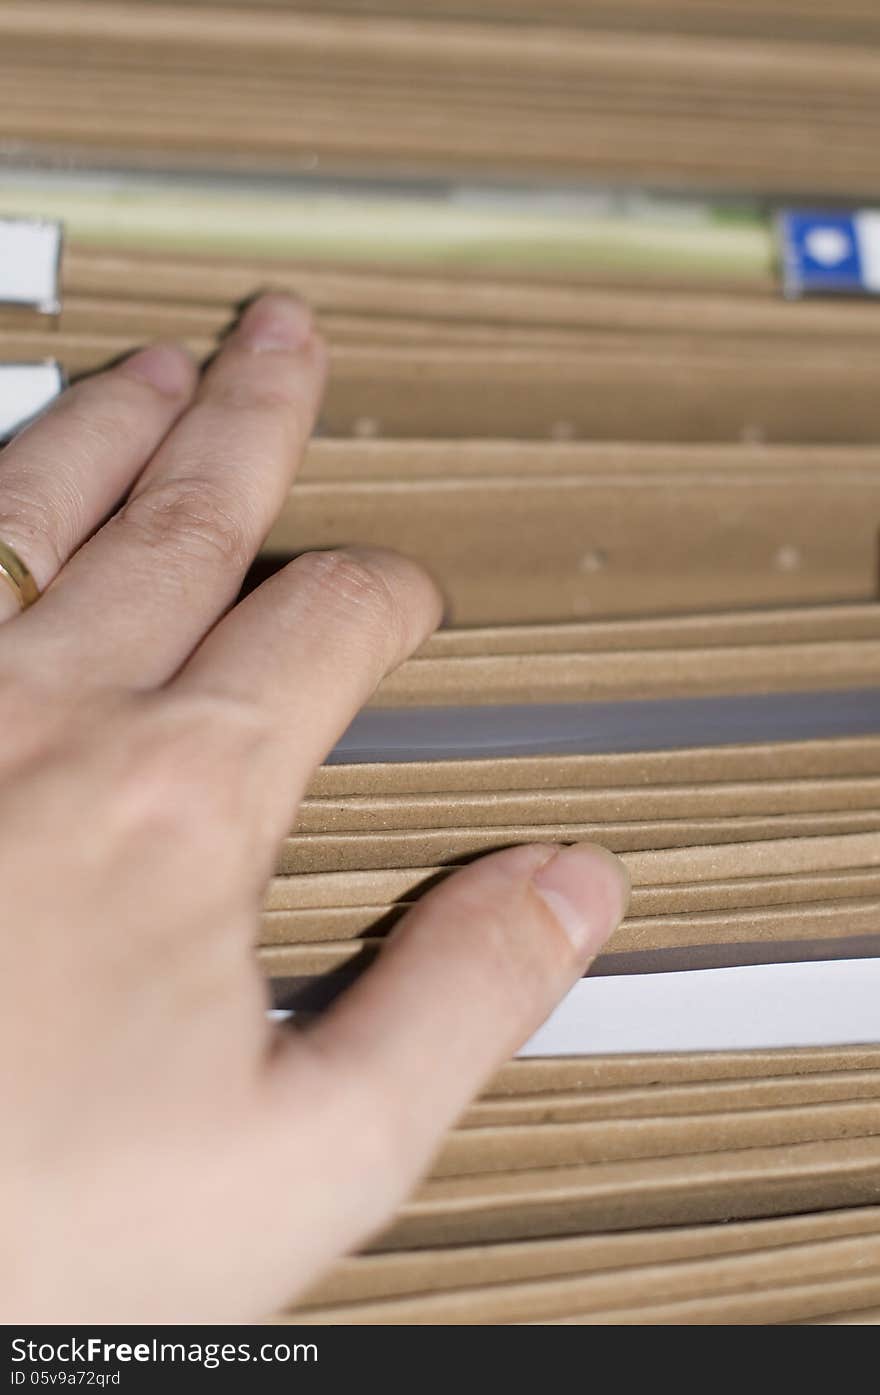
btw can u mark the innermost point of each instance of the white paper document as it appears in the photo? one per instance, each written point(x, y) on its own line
point(756, 1007)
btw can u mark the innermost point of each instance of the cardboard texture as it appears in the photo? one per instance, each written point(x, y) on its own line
point(748, 529)
point(786, 760)
point(795, 1303)
point(149, 281)
point(689, 395)
point(868, 1317)
point(645, 1102)
point(611, 1072)
point(851, 1264)
point(422, 847)
point(578, 98)
point(369, 307)
point(462, 391)
point(521, 1147)
point(575, 805)
point(335, 283)
point(644, 675)
point(361, 891)
point(622, 1195)
point(793, 626)
point(847, 920)
point(399, 1273)
point(803, 932)
point(749, 16)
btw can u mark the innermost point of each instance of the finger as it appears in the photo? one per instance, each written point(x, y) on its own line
point(61, 477)
point(471, 972)
point(305, 651)
point(136, 600)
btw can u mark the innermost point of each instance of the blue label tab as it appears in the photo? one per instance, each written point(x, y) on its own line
point(827, 252)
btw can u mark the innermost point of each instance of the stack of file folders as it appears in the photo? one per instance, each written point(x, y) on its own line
point(772, 97)
point(655, 513)
point(718, 725)
point(430, 354)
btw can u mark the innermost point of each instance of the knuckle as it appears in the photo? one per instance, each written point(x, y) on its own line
point(29, 712)
point(190, 518)
point(273, 384)
point(230, 729)
point(268, 394)
point(188, 768)
point(97, 409)
point(39, 529)
point(266, 415)
point(355, 584)
point(159, 786)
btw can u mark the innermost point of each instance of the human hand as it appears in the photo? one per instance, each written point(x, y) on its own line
point(169, 1154)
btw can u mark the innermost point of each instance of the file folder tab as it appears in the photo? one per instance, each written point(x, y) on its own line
point(25, 390)
point(30, 259)
point(830, 252)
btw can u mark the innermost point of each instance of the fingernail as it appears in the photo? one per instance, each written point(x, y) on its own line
point(587, 888)
point(276, 322)
point(166, 367)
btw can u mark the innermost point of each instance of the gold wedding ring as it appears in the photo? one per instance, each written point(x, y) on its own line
point(16, 575)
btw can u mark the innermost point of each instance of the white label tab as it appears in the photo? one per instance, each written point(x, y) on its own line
point(25, 390)
point(867, 225)
point(30, 260)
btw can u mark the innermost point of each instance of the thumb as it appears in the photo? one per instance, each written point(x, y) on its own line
point(467, 976)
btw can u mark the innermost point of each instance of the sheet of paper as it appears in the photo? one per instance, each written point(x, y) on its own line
point(825, 1003)
point(25, 390)
point(30, 258)
point(454, 733)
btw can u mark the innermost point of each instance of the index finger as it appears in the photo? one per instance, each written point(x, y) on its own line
point(137, 599)
point(60, 478)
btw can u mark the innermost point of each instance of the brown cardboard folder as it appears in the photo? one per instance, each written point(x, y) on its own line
point(721, 96)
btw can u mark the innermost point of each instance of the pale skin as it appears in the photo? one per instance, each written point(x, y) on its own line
point(168, 1154)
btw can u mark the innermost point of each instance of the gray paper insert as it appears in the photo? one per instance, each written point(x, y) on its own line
point(461, 733)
